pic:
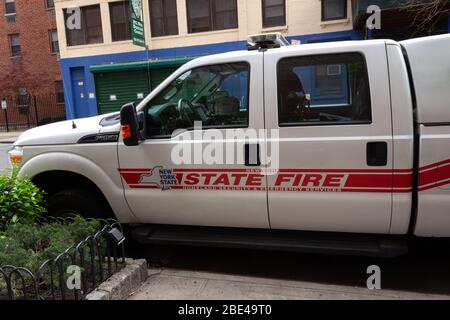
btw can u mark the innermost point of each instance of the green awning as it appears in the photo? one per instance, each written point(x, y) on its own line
point(140, 65)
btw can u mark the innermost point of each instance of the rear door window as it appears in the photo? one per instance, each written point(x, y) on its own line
point(323, 89)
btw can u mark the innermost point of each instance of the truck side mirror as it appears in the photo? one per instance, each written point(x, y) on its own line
point(129, 125)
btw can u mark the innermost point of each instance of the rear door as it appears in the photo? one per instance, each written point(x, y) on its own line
point(332, 109)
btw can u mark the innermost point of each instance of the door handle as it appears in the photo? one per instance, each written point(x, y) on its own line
point(252, 156)
point(376, 153)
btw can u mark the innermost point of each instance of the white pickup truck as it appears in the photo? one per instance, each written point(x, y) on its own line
point(363, 148)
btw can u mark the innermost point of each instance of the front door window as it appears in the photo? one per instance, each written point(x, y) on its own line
point(216, 95)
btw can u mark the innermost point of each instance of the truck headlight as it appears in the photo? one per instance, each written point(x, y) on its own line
point(15, 156)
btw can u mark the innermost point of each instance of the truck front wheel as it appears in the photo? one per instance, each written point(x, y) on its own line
point(77, 202)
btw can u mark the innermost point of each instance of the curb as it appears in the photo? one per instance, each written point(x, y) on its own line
point(122, 283)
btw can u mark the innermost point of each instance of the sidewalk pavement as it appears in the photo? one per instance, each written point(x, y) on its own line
point(9, 137)
point(165, 284)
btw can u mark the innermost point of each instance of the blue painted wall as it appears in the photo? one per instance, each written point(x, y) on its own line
point(308, 77)
point(90, 104)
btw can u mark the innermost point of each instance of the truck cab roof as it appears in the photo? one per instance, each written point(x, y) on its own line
point(288, 49)
point(429, 63)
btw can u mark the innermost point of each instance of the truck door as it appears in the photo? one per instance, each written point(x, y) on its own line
point(332, 109)
point(183, 176)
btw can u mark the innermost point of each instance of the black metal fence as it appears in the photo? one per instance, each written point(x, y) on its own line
point(98, 257)
point(22, 112)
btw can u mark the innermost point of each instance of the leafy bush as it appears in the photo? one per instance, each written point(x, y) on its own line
point(20, 201)
point(29, 245)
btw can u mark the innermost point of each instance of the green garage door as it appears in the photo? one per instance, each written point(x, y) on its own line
point(114, 89)
point(118, 88)
point(159, 75)
point(121, 83)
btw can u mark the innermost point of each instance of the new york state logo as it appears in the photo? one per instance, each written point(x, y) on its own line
point(159, 176)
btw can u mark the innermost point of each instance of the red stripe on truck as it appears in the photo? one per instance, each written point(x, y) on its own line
point(317, 180)
point(308, 180)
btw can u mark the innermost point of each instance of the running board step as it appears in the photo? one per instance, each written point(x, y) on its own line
point(279, 240)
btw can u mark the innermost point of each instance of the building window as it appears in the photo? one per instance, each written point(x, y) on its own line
point(334, 9)
point(54, 44)
point(274, 13)
point(23, 97)
point(10, 6)
point(14, 42)
point(210, 15)
point(163, 16)
point(10, 10)
point(120, 20)
point(325, 89)
point(50, 4)
point(59, 89)
point(90, 30)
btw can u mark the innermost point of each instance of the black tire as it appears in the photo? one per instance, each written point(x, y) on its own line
point(79, 202)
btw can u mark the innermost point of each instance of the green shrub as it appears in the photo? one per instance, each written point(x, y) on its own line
point(29, 245)
point(20, 201)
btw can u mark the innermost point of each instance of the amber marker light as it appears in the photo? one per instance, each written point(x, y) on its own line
point(125, 131)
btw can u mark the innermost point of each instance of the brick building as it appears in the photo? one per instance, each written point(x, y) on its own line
point(31, 89)
point(29, 50)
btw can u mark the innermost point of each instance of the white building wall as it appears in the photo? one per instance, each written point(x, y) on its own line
point(303, 17)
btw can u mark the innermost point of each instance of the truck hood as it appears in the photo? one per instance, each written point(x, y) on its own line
point(70, 131)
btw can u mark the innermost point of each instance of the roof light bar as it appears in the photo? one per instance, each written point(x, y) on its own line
point(266, 41)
